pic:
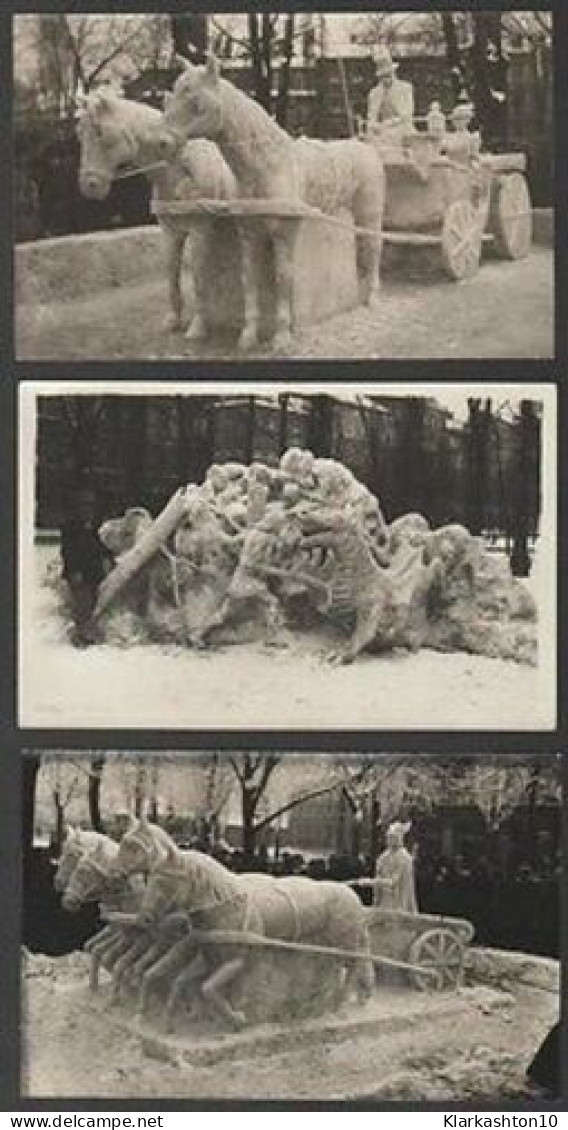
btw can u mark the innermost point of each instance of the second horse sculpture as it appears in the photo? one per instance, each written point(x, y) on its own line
point(269, 165)
point(296, 909)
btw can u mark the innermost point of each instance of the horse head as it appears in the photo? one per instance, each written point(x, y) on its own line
point(194, 108)
point(142, 848)
point(90, 876)
point(76, 844)
point(117, 133)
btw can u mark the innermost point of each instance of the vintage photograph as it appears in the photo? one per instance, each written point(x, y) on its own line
point(355, 557)
point(259, 926)
point(301, 185)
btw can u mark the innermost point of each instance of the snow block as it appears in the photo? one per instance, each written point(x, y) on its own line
point(73, 268)
point(324, 275)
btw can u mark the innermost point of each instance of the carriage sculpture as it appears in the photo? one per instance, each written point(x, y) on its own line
point(216, 157)
point(456, 201)
point(250, 946)
point(430, 948)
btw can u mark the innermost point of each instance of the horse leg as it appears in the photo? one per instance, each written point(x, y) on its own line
point(251, 252)
point(179, 987)
point(175, 244)
point(105, 935)
point(140, 964)
point(123, 963)
point(112, 951)
point(283, 233)
point(200, 244)
point(94, 972)
point(361, 971)
point(168, 964)
point(100, 957)
point(211, 991)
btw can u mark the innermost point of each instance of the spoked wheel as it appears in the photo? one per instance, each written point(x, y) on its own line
point(512, 217)
point(441, 950)
point(461, 240)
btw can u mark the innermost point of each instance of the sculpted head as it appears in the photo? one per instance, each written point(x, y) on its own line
point(71, 852)
point(120, 534)
point(89, 878)
point(112, 131)
point(409, 530)
point(396, 833)
point(140, 847)
point(193, 109)
point(297, 465)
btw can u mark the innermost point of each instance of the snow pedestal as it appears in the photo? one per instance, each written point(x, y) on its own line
point(324, 271)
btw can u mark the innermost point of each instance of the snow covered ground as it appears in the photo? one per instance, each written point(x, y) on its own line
point(473, 1045)
point(251, 686)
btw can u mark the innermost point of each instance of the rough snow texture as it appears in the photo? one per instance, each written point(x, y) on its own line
point(404, 1045)
point(263, 549)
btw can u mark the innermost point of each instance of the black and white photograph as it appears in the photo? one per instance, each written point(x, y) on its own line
point(260, 926)
point(355, 557)
point(305, 185)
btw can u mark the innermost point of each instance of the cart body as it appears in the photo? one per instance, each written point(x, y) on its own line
point(456, 203)
point(431, 941)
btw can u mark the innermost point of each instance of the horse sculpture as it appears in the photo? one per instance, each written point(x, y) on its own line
point(270, 165)
point(92, 881)
point(195, 886)
point(76, 844)
point(116, 134)
point(79, 846)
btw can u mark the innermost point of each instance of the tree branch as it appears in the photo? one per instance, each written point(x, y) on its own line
point(321, 791)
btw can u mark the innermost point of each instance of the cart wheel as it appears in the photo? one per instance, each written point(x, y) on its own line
point(461, 240)
point(512, 217)
point(438, 949)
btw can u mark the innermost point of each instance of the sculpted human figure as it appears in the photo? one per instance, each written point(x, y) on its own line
point(390, 105)
point(436, 123)
point(462, 144)
point(393, 884)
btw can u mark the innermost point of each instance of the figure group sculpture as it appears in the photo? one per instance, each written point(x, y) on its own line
point(162, 903)
point(256, 553)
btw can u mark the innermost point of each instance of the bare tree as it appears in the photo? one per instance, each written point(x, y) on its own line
point(497, 789)
point(271, 786)
point(75, 52)
point(96, 767)
point(63, 778)
point(269, 46)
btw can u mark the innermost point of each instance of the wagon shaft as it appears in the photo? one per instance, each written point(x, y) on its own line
point(228, 937)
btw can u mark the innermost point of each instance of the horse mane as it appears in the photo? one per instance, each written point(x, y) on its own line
point(137, 120)
point(210, 880)
point(86, 837)
point(157, 834)
point(99, 103)
point(253, 122)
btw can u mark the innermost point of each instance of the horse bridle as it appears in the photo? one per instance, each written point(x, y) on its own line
point(100, 871)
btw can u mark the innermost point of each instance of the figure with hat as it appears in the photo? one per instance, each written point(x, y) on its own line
point(390, 106)
point(393, 883)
